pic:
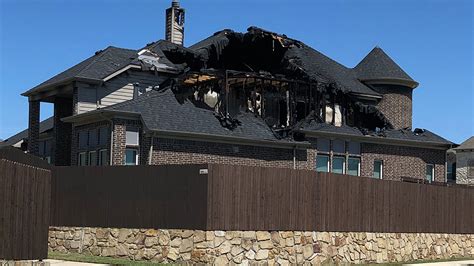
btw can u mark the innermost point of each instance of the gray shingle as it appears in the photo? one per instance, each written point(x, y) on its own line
point(378, 65)
point(163, 111)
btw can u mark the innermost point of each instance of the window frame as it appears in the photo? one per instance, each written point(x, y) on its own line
point(100, 162)
point(381, 169)
point(432, 172)
point(327, 163)
point(79, 155)
point(89, 162)
point(343, 164)
point(136, 149)
point(358, 165)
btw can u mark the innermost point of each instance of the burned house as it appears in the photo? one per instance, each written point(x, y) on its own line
point(255, 98)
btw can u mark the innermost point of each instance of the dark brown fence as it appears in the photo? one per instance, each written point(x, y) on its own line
point(252, 198)
point(130, 197)
point(24, 207)
point(249, 198)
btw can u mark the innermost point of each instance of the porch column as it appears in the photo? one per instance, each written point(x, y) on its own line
point(62, 132)
point(33, 127)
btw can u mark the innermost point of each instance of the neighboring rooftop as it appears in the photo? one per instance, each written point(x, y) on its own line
point(466, 145)
point(45, 125)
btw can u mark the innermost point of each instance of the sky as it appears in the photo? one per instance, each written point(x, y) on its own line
point(431, 40)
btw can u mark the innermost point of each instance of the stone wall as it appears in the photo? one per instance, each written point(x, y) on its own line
point(246, 247)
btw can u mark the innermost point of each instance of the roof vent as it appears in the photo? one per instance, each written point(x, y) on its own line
point(418, 131)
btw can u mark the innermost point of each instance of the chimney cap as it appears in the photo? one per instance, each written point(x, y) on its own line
point(175, 3)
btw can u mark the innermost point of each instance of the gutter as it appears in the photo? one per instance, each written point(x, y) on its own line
point(377, 140)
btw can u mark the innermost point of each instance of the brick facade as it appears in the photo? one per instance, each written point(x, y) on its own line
point(62, 132)
point(119, 144)
point(400, 161)
point(396, 105)
point(174, 151)
point(33, 127)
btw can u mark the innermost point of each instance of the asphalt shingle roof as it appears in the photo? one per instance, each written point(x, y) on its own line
point(467, 145)
point(45, 125)
point(163, 111)
point(98, 66)
point(378, 65)
point(398, 134)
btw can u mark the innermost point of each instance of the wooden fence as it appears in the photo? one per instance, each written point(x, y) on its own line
point(24, 206)
point(252, 198)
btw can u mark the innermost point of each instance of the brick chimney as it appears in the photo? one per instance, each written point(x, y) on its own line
point(175, 23)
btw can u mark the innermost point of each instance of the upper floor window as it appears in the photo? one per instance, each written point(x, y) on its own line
point(103, 157)
point(81, 160)
point(430, 172)
point(92, 158)
point(131, 138)
point(451, 172)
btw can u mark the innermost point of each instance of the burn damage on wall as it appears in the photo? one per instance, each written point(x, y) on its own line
point(270, 76)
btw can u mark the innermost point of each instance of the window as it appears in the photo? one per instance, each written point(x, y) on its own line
point(353, 166)
point(103, 135)
point(337, 115)
point(378, 169)
point(430, 172)
point(131, 156)
point(103, 157)
point(322, 163)
point(354, 148)
point(81, 160)
point(48, 159)
point(131, 138)
point(451, 172)
point(92, 158)
point(323, 145)
point(338, 164)
point(83, 139)
point(339, 146)
point(93, 137)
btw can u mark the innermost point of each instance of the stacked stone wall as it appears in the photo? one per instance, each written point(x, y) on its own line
point(249, 247)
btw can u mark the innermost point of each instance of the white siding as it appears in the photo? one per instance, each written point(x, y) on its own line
point(116, 90)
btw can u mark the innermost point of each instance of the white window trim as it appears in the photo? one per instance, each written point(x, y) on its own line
point(381, 169)
point(100, 163)
point(89, 158)
point(358, 165)
point(136, 148)
point(79, 158)
point(343, 164)
point(432, 172)
point(328, 165)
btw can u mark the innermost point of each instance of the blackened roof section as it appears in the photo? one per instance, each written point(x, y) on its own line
point(165, 111)
point(395, 134)
point(378, 65)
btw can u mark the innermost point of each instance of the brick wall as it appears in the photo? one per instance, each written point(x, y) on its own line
point(173, 151)
point(402, 161)
point(396, 105)
point(33, 127)
point(120, 129)
point(62, 132)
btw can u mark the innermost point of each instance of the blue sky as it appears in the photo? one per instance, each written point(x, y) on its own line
point(431, 40)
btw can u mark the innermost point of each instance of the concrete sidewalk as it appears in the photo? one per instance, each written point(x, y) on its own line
point(70, 263)
point(446, 263)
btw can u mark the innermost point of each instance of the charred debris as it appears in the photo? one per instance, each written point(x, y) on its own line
point(263, 73)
